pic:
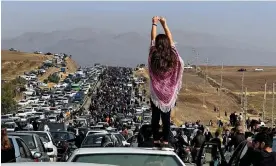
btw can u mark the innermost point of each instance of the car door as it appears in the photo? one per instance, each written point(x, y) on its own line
point(209, 154)
point(25, 153)
point(238, 154)
point(42, 150)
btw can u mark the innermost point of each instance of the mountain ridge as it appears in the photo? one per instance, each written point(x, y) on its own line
point(91, 45)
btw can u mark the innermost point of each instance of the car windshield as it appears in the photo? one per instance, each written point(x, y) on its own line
point(93, 140)
point(60, 135)
point(29, 140)
point(129, 159)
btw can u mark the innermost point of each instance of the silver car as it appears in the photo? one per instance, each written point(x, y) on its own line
point(35, 144)
point(22, 152)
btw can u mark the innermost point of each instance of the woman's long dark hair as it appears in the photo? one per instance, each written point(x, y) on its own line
point(163, 58)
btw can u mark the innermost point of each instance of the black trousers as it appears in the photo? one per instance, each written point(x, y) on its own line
point(165, 116)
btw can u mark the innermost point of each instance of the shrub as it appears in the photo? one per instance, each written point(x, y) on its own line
point(9, 91)
point(54, 78)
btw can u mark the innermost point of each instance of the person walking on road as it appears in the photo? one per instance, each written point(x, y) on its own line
point(165, 70)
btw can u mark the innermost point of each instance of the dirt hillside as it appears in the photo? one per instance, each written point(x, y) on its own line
point(190, 100)
point(16, 63)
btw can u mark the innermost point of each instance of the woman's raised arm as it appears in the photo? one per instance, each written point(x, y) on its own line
point(155, 20)
point(167, 30)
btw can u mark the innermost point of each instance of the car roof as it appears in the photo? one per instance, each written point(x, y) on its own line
point(56, 164)
point(32, 132)
point(119, 150)
point(18, 134)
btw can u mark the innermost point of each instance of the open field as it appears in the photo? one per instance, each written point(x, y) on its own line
point(16, 63)
point(254, 81)
point(190, 100)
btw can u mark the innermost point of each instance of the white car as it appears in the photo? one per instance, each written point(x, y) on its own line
point(29, 110)
point(46, 96)
point(145, 107)
point(33, 100)
point(52, 118)
point(120, 156)
point(41, 102)
point(65, 100)
point(10, 126)
point(91, 132)
point(23, 102)
point(29, 92)
point(45, 107)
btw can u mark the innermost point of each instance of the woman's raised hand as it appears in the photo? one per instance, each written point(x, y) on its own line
point(155, 19)
point(162, 20)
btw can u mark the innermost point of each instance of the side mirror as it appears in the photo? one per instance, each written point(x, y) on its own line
point(127, 144)
point(37, 155)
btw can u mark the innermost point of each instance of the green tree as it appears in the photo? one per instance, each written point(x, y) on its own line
point(54, 78)
point(8, 104)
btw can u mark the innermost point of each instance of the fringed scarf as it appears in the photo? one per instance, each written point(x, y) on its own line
point(164, 86)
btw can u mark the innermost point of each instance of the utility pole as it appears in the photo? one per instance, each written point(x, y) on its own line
point(186, 84)
point(196, 58)
point(264, 104)
point(220, 90)
point(273, 99)
point(245, 107)
point(197, 54)
point(205, 84)
point(242, 91)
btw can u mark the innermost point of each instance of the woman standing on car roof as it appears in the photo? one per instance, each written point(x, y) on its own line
point(165, 70)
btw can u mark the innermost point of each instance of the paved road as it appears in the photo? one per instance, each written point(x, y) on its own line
point(88, 102)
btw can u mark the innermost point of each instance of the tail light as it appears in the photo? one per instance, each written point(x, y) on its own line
point(187, 149)
point(36, 160)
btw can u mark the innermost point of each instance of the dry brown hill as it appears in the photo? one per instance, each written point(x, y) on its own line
point(190, 100)
point(16, 63)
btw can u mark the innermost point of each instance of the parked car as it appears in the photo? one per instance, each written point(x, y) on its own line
point(35, 144)
point(22, 152)
point(48, 142)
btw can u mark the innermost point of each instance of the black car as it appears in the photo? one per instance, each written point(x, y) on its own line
point(100, 140)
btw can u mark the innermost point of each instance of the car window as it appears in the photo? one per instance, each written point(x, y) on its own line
point(236, 155)
point(71, 136)
point(39, 144)
point(274, 145)
point(21, 149)
point(29, 140)
point(27, 150)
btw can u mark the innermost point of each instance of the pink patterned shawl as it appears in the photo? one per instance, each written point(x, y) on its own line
point(164, 87)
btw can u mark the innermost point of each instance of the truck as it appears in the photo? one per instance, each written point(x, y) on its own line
point(78, 96)
point(63, 69)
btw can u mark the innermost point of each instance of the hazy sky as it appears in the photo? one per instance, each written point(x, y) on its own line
point(251, 22)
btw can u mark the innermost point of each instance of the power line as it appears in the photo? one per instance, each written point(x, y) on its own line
point(273, 100)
